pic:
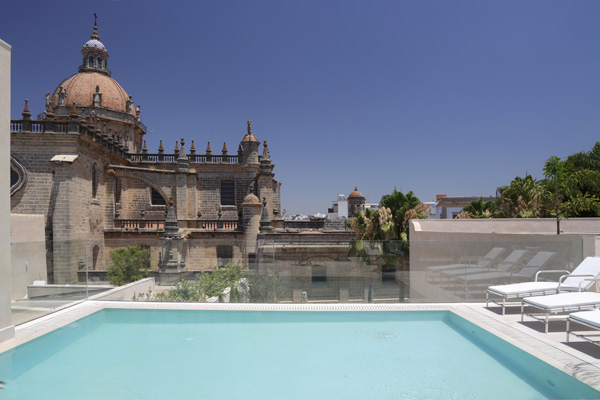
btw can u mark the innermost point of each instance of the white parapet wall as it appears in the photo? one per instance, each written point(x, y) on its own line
point(6, 326)
point(127, 292)
point(507, 225)
point(28, 252)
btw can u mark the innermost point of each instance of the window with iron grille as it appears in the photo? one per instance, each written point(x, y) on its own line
point(224, 254)
point(319, 275)
point(227, 193)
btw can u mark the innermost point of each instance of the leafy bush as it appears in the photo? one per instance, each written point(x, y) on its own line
point(182, 292)
point(129, 265)
point(215, 282)
point(264, 288)
point(209, 284)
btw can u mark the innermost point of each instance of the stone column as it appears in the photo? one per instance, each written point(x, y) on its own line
point(181, 196)
point(251, 209)
point(7, 330)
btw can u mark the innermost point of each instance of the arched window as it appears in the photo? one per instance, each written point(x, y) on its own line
point(100, 62)
point(227, 192)
point(156, 199)
point(91, 62)
point(14, 177)
point(95, 254)
point(94, 181)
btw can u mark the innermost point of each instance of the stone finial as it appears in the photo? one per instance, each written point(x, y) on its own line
point(182, 155)
point(161, 149)
point(192, 148)
point(176, 146)
point(224, 151)
point(95, 33)
point(265, 220)
point(171, 224)
point(249, 137)
point(49, 113)
point(145, 148)
point(62, 96)
point(265, 155)
point(208, 150)
point(128, 105)
point(90, 123)
point(26, 114)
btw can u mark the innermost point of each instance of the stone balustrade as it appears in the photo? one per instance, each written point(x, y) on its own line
point(113, 144)
point(154, 224)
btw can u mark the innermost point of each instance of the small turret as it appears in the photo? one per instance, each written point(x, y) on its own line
point(250, 147)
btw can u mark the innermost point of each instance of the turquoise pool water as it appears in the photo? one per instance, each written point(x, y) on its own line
point(168, 354)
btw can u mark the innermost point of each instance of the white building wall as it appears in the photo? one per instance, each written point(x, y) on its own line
point(343, 209)
point(7, 330)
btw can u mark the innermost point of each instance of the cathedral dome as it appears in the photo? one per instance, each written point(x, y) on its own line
point(356, 194)
point(80, 89)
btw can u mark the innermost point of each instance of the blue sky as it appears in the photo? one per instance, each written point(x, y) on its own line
point(437, 97)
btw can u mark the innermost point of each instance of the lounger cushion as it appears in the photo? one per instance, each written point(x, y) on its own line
point(564, 300)
point(529, 287)
point(588, 317)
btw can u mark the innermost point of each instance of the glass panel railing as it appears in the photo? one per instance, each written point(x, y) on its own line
point(320, 271)
point(461, 271)
point(49, 276)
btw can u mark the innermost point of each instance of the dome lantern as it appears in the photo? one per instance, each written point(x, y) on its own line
point(95, 56)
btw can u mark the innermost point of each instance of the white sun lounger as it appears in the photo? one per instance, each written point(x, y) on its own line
point(576, 281)
point(504, 266)
point(485, 263)
point(591, 319)
point(560, 303)
point(527, 271)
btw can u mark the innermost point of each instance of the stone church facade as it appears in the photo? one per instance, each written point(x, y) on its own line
point(85, 167)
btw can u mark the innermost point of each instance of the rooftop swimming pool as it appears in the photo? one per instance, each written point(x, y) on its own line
point(199, 354)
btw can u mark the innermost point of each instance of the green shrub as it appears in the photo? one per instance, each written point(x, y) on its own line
point(129, 265)
point(209, 284)
point(264, 288)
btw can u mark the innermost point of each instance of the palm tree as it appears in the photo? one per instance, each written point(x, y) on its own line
point(524, 198)
point(480, 209)
point(383, 234)
point(565, 188)
point(404, 207)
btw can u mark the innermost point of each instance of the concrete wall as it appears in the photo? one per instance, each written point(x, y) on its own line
point(7, 331)
point(507, 225)
point(28, 252)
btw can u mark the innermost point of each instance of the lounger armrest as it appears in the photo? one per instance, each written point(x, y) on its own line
point(594, 279)
point(547, 271)
point(562, 278)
